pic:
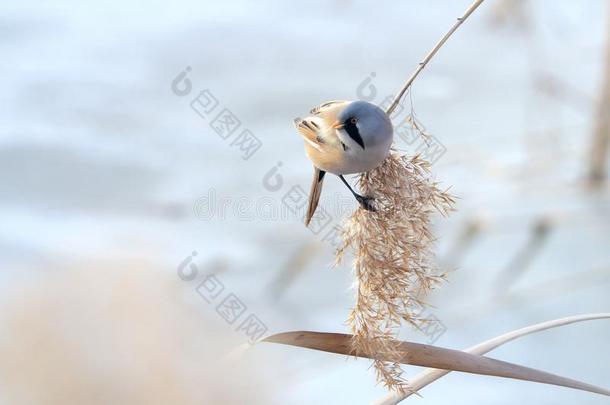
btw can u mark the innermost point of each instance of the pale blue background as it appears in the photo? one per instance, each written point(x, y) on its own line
point(99, 158)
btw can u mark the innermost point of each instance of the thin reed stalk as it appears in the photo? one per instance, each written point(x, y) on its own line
point(431, 54)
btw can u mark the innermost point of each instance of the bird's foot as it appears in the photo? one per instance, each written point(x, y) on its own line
point(366, 202)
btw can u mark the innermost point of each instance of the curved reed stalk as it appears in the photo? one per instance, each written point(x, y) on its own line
point(430, 375)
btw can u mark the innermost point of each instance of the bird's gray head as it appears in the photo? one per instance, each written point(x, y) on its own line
point(367, 125)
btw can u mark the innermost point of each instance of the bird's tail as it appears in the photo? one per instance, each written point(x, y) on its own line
point(314, 193)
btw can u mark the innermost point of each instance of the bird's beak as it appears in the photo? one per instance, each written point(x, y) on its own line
point(337, 125)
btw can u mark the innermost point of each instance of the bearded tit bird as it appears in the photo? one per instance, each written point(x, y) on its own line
point(344, 137)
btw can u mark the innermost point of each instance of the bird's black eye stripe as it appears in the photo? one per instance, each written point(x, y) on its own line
point(352, 131)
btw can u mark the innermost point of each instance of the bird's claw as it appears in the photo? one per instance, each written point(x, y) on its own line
point(366, 203)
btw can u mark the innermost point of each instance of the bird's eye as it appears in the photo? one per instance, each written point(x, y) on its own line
point(353, 121)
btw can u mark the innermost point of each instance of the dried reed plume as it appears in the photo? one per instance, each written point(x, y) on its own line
point(393, 246)
point(393, 257)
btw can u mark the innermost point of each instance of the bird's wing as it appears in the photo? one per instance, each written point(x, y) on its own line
point(322, 144)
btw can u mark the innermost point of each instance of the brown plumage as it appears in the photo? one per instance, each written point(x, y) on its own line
point(322, 146)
